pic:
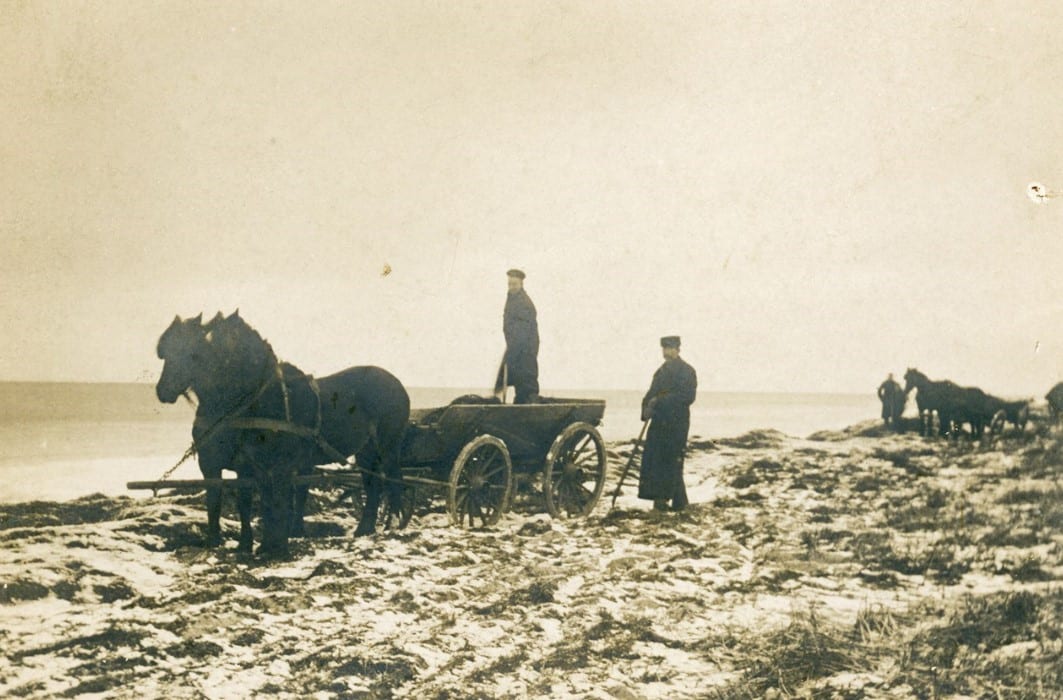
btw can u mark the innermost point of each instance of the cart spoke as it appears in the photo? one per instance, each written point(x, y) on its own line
point(480, 482)
point(461, 501)
point(475, 510)
point(577, 451)
point(501, 469)
point(587, 459)
point(577, 501)
point(469, 510)
point(494, 455)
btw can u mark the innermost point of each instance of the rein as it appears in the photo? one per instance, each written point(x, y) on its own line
point(240, 407)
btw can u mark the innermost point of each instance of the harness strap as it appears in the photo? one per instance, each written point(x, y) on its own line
point(284, 391)
point(317, 395)
point(279, 426)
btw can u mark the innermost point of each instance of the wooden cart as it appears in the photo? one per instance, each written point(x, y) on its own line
point(472, 451)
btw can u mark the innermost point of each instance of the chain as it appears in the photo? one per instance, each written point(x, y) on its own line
point(184, 458)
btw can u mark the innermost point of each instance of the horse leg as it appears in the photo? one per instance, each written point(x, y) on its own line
point(213, 503)
point(296, 527)
point(369, 461)
point(276, 498)
point(371, 484)
point(393, 472)
point(213, 515)
point(244, 498)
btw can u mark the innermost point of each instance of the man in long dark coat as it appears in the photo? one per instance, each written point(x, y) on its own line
point(520, 366)
point(892, 397)
point(667, 406)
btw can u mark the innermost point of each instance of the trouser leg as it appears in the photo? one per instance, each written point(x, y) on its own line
point(526, 392)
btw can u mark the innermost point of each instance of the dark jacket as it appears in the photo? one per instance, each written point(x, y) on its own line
point(667, 403)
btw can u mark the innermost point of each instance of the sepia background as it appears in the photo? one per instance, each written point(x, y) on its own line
point(811, 194)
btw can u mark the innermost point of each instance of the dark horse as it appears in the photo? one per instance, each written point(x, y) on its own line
point(954, 404)
point(1055, 402)
point(263, 418)
point(1000, 412)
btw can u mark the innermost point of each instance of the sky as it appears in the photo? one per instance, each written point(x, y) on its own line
point(810, 194)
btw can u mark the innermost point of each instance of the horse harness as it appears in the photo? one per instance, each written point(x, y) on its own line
point(230, 420)
point(287, 425)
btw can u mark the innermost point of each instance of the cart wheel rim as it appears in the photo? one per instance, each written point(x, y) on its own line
point(574, 475)
point(480, 483)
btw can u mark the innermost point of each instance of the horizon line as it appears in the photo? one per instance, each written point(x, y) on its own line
point(463, 388)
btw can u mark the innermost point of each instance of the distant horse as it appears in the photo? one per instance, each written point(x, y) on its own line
point(1015, 412)
point(260, 417)
point(1055, 402)
point(973, 406)
point(954, 404)
point(930, 397)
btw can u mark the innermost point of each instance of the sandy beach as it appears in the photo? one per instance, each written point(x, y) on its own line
point(849, 564)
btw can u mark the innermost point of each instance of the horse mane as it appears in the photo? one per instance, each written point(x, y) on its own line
point(233, 334)
point(240, 352)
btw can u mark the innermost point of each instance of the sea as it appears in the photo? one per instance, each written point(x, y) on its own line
point(60, 441)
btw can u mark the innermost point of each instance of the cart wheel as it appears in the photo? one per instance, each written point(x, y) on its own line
point(574, 475)
point(480, 482)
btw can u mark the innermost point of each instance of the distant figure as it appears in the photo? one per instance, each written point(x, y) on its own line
point(893, 398)
point(667, 405)
point(520, 366)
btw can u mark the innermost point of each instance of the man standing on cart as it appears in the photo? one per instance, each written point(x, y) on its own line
point(667, 406)
point(520, 366)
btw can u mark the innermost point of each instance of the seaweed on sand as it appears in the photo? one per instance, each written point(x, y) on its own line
point(95, 508)
point(755, 439)
point(807, 649)
point(969, 654)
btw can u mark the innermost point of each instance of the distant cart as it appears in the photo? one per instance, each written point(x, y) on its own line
point(472, 450)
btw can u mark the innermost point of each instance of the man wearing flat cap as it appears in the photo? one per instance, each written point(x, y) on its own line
point(520, 366)
point(667, 406)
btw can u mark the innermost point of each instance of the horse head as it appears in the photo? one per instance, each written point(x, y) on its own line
point(913, 379)
point(220, 360)
point(182, 348)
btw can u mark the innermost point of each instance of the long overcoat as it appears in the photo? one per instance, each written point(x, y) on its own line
point(674, 386)
point(521, 328)
point(892, 397)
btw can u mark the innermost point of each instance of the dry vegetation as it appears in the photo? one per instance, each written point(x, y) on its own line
point(851, 565)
